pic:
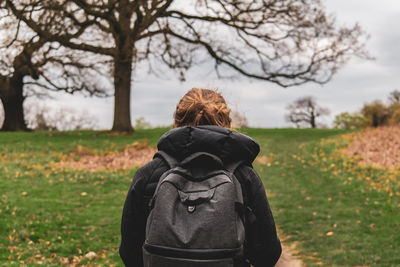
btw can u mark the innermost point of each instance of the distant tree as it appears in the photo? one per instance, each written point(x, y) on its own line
point(394, 111)
point(41, 117)
point(349, 121)
point(395, 118)
point(141, 123)
point(305, 110)
point(394, 96)
point(377, 113)
point(394, 107)
point(239, 120)
point(287, 42)
point(373, 114)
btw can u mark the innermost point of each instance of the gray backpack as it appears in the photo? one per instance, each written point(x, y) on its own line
point(196, 216)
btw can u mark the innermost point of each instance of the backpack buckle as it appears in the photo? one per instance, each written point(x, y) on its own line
point(191, 209)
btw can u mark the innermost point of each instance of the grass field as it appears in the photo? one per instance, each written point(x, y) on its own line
point(337, 213)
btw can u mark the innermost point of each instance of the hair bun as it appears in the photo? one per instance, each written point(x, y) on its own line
point(202, 107)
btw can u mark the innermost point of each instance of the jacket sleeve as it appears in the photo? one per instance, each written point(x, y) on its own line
point(263, 247)
point(133, 223)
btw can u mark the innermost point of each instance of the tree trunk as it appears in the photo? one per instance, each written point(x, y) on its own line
point(375, 122)
point(13, 99)
point(312, 121)
point(122, 100)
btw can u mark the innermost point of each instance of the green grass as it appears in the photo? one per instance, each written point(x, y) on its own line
point(325, 202)
point(50, 215)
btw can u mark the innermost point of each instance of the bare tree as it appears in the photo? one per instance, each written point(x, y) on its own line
point(29, 63)
point(42, 117)
point(394, 97)
point(287, 42)
point(15, 64)
point(305, 110)
point(239, 120)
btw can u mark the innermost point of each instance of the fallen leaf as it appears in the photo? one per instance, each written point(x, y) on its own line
point(329, 234)
point(90, 255)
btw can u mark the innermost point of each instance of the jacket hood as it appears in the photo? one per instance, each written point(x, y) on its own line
point(227, 145)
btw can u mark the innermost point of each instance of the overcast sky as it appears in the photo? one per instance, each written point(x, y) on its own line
point(264, 103)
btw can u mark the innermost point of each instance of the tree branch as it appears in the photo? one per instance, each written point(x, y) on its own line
point(63, 39)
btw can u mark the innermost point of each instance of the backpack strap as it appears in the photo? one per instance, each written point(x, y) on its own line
point(171, 161)
point(244, 208)
point(246, 213)
point(232, 166)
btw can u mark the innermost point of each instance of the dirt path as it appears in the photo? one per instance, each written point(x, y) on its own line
point(288, 257)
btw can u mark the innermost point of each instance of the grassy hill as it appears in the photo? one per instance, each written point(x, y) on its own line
point(337, 213)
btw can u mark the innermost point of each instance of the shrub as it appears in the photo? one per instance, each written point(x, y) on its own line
point(377, 113)
point(349, 121)
point(141, 123)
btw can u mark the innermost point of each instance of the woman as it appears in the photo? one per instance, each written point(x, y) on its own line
point(202, 124)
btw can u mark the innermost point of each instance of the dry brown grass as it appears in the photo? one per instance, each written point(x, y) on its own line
point(132, 156)
point(379, 147)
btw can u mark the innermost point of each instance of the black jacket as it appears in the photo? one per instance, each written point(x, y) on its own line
point(262, 247)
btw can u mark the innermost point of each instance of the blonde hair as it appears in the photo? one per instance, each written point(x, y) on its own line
point(202, 107)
